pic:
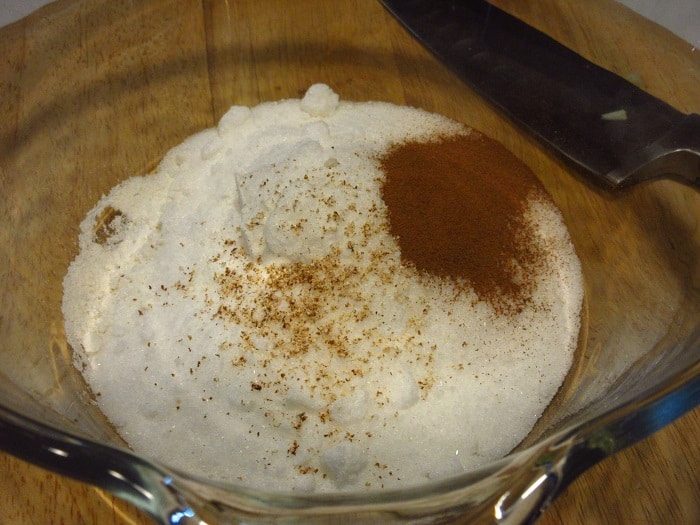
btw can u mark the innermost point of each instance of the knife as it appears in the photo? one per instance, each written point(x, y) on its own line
point(615, 132)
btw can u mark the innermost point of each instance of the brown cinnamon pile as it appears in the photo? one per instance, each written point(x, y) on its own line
point(457, 207)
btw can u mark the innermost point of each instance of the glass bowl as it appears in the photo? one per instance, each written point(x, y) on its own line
point(96, 91)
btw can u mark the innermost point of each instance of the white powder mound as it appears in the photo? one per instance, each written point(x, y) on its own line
point(244, 314)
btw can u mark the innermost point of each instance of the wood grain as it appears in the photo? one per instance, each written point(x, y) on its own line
point(194, 56)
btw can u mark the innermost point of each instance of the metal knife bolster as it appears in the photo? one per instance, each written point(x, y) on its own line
point(607, 126)
point(675, 155)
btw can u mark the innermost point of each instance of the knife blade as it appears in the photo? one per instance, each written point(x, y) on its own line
point(615, 132)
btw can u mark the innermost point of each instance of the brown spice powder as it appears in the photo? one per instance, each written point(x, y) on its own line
point(456, 207)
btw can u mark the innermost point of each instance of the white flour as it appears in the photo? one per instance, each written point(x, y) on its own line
point(244, 314)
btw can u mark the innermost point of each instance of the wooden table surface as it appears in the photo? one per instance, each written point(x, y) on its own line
point(656, 481)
